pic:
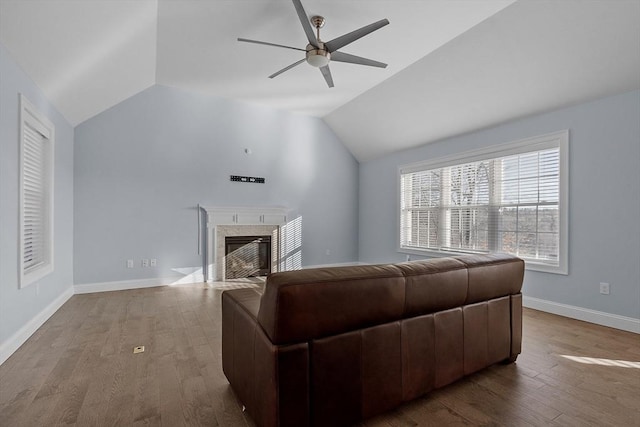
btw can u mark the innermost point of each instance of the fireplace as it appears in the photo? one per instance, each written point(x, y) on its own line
point(223, 222)
point(247, 256)
point(219, 240)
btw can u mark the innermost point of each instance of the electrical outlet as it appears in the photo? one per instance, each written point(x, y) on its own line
point(154, 262)
point(145, 263)
point(604, 288)
point(129, 263)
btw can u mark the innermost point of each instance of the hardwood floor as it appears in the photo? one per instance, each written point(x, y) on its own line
point(79, 369)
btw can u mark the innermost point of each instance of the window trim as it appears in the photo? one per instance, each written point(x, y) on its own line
point(558, 139)
point(30, 116)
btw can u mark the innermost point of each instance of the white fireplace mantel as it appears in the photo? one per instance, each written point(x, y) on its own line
point(245, 215)
point(223, 221)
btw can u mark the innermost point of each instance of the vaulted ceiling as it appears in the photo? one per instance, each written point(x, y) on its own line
point(454, 66)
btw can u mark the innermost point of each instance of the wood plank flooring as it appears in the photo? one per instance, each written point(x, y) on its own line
point(79, 369)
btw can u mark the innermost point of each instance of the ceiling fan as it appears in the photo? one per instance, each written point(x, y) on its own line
point(319, 53)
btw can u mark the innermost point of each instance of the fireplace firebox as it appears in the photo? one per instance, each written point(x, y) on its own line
point(247, 256)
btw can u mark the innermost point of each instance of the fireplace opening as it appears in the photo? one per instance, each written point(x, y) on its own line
point(247, 256)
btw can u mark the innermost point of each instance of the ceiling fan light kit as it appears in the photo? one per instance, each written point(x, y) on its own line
point(317, 53)
point(317, 57)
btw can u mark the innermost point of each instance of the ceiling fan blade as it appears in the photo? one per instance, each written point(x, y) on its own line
point(353, 59)
point(326, 73)
point(269, 44)
point(344, 40)
point(306, 24)
point(277, 73)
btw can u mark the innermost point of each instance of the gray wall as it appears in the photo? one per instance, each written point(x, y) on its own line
point(604, 193)
point(142, 166)
point(19, 306)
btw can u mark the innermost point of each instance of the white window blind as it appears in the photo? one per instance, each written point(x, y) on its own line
point(507, 199)
point(35, 199)
point(36, 195)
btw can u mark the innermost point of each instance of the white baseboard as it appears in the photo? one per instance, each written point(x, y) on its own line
point(14, 342)
point(598, 317)
point(122, 285)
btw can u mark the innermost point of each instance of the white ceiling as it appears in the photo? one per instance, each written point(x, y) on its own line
point(454, 66)
point(533, 56)
point(86, 56)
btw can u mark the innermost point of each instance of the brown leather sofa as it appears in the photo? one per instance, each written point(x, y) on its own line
point(333, 346)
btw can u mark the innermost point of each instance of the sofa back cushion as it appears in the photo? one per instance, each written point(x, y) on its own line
point(307, 304)
point(434, 285)
point(492, 276)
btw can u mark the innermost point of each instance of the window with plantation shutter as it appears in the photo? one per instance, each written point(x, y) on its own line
point(509, 198)
point(36, 194)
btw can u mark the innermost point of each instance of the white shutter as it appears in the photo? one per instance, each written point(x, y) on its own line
point(34, 198)
point(36, 194)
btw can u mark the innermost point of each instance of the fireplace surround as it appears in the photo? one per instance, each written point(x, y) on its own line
point(234, 222)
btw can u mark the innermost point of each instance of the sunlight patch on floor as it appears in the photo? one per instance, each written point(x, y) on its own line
point(602, 362)
point(249, 282)
point(190, 275)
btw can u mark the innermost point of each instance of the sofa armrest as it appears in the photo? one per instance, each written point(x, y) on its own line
point(239, 310)
point(272, 382)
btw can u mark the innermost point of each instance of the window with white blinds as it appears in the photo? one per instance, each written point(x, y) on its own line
point(509, 198)
point(36, 194)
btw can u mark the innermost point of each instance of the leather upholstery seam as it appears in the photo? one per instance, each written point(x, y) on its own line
point(338, 280)
point(424, 273)
point(491, 263)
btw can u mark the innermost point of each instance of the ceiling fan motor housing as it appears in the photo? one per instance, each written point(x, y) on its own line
point(318, 57)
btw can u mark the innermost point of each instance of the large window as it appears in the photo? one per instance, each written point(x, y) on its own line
point(507, 198)
point(36, 194)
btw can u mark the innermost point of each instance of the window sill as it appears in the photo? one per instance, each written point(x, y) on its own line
point(36, 274)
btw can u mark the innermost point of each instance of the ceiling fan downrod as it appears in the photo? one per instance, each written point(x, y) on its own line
point(317, 22)
point(317, 56)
